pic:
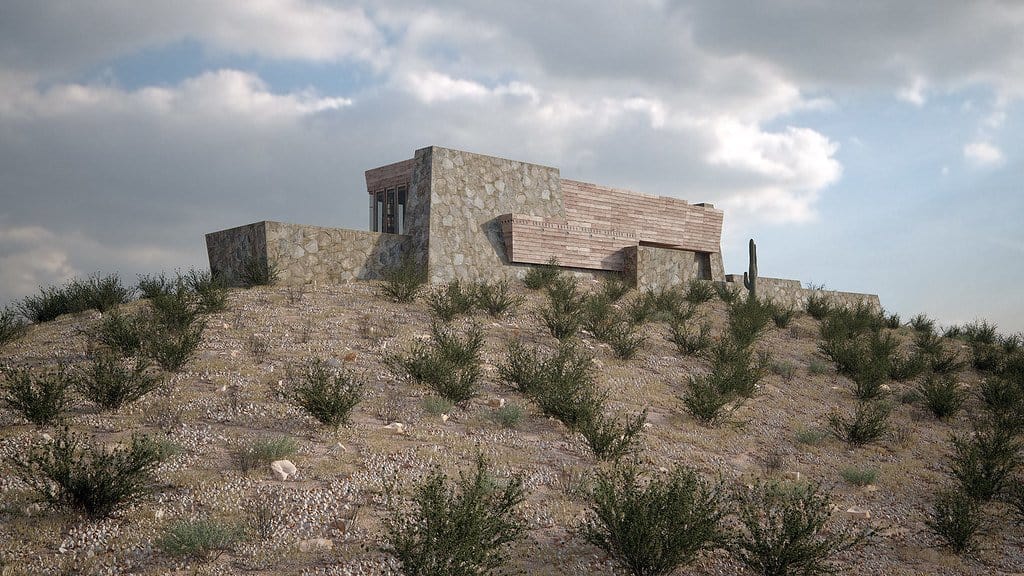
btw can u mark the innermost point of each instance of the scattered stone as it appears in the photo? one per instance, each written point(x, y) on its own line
point(444, 418)
point(648, 425)
point(316, 544)
point(496, 402)
point(396, 426)
point(283, 469)
point(339, 448)
point(792, 475)
point(350, 357)
point(858, 513)
point(46, 437)
point(885, 388)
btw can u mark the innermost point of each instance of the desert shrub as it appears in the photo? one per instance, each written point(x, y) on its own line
point(458, 530)
point(688, 342)
point(726, 293)
point(928, 342)
point(599, 317)
point(562, 385)
point(736, 370)
point(612, 438)
point(904, 367)
point(435, 405)
point(49, 303)
point(748, 319)
point(980, 332)
point(625, 340)
point(859, 476)
point(254, 453)
point(845, 322)
point(817, 367)
point(942, 395)
point(98, 292)
point(655, 526)
point(201, 539)
point(865, 359)
point(781, 315)
point(171, 347)
point(818, 306)
point(1012, 369)
point(641, 308)
point(784, 369)
point(614, 287)
point(449, 364)
point(955, 518)
point(986, 357)
point(151, 286)
point(563, 314)
point(699, 291)
point(507, 416)
point(782, 530)
point(258, 270)
point(869, 422)
point(451, 300)
point(947, 362)
point(211, 290)
point(892, 321)
point(1014, 496)
point(120, 332)
point(704, 401)
point(70, 472)
point(327, 395)
point(922, 323)
point(1012, 343)
point(983, 462)
point(542, 275)
point(495, 299)
point(12, 325)
point(110, 384)
point(40, 399)
point(811, 436)
point(403, 282)
point(1004, 401)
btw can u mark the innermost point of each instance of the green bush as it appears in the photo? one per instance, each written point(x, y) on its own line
point(817, 367)
point(326, 395)
point(40, 399)
point(859, 476)
point(942, 395)
point(1015, 498)
point(542, 275)
point(172, 347)
point(50, 303)
point(905, 367)
point(922, 323)
point(787, 370)
point(782, 530)
point(495, 299)
point(869, 422)
point(892, 321)
point(614, 287)
point(110, 384)
point(258, 271)
point(984, 462)
point(121, 332)
point(652, 528)
point(403, 282)
point(611, 438)
point(451, 300)
point(781, 315)
point(175, 310)
point(211, 290)
point(449, 364)
point(562, 384)
point(688, 342)
point(1004, 402)
point(980, 332)
point(748, 319)
point(699, 291)
point(736, 370)
point(625, 341)
point(12, 326)
point(436, 406)
point(948, 362)
point(727, 294)
point(507, 416)
point(152, 286)
point(704, 401)
point(986, 357)
point(599, 317)
point(457, 530)
point(928, 343)
point(86, 477)
point(253, 453)
point(865, 359)
point(200, 539)
point(955, 518)
point(563, 314)
point(811, 436)
point(818, 306)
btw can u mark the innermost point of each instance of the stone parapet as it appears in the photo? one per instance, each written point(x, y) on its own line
point(789, 292)
point(658, 268)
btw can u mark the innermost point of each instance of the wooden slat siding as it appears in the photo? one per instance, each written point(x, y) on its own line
point(650, 218)
point(532, 240)
point(389, 176)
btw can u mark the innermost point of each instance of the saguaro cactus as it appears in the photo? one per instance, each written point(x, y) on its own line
point(750, 277)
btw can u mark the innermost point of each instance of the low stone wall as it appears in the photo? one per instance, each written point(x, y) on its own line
point(306, 254)
point(657, 268)
point(791, 293)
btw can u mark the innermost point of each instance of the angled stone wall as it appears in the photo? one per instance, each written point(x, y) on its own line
point(791, 293)
point(658, 268)
point(231, 250)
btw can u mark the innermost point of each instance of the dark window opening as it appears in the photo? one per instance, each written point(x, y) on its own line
point(387, 210)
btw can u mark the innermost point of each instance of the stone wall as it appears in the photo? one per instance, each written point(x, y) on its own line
point(791, 293)
point(468, 193)
point(306, 254)
point(657, 268)
point(232, 249)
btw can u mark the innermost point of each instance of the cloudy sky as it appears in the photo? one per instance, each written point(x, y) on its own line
point(871, 146)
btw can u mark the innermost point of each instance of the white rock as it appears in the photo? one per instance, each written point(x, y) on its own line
point(283, 469)
point(444, 417)
point(316, 544)
point(859, 513)
point(396, 426)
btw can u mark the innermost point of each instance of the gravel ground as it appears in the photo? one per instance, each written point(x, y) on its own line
point(231, 391)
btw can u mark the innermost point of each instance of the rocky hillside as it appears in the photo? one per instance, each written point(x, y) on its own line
point(329, 517)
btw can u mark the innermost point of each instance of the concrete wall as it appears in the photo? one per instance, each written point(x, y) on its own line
point(306, 254)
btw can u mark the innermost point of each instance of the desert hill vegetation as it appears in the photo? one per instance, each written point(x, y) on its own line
point(556, 425)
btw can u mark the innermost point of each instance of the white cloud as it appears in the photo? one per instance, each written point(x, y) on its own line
point(983, 154)
point(914, 93)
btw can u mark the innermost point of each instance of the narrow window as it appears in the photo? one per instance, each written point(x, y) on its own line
point(380, 211)
point(401, 210)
